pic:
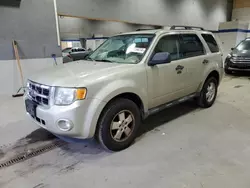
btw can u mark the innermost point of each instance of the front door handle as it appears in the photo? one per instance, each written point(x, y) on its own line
point(205, 61)
point(179, 68)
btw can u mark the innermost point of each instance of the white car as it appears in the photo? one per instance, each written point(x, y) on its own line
point(128, 78)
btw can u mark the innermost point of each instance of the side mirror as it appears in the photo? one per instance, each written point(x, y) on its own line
point(160, 58)
point(232, 48)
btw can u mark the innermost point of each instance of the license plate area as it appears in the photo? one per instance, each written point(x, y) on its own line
point(31, 107)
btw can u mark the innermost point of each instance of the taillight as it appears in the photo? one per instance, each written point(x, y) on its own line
point(69, 56)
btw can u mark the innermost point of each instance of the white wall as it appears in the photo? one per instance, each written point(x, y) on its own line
point(242, 14)
point(230, 39)
point(248, 34)
point(33, 26)
point(206, 13)
point(10, 80)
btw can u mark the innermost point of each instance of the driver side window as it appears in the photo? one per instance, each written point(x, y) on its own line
point(170, 44)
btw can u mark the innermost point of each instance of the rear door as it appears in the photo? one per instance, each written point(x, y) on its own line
point(193, 55)
point(215, 54)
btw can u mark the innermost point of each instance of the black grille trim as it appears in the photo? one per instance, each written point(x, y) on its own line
point(39, 93)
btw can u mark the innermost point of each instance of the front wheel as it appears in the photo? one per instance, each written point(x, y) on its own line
point(208, 93)
point(118, 124)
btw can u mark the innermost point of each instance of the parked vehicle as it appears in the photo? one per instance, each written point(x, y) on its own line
point(79, 55)
point(67, 59)
point(239, 58)
point(76, 56)
point(126, 79)
point(67, 51)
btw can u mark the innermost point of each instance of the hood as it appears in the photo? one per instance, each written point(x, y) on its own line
point(242, 53)
point(77, 73)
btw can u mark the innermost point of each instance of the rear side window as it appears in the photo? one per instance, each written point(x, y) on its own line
point(212, 44)
point(191, 46)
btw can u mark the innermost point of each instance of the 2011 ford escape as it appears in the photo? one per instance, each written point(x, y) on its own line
point(129, 77)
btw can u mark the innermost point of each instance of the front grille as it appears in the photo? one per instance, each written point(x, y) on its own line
point(241, 59)
point(240, 65)
point(39, 93)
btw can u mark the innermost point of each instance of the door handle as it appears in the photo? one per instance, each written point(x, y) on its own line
point(205, 61)
point(179, 68)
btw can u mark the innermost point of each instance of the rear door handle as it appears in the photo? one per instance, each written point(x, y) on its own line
point(205, 61)
point(179, 68)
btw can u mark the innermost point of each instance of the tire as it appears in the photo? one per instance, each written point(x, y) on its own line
point(228, 71)
point(203, 100)
point(112, 125)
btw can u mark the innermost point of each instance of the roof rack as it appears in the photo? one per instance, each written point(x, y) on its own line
point(144, 29)
point(175, 27)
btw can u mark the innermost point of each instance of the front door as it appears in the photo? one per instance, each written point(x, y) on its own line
point(166, 81)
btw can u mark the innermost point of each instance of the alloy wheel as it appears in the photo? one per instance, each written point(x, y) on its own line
point(211, 90)
point(122, 125)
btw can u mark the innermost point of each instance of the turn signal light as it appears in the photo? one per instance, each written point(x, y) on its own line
point(81, 93)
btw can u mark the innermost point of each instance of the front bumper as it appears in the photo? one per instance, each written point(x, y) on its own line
point(83, 115)
point(237, 66)
point(237, 69)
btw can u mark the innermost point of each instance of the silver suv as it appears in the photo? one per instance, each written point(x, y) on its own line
point(129, 77)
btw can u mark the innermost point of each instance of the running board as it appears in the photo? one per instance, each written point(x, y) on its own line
point(170, 104)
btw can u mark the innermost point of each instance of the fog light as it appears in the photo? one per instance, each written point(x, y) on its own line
point(64, 125)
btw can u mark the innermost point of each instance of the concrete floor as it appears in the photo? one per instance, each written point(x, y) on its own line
point(182, 147)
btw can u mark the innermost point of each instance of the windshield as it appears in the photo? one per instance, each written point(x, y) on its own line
point(123, 49)
point(244, 45)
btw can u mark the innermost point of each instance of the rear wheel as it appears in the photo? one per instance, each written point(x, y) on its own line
point(118, 124)
point(208, 93)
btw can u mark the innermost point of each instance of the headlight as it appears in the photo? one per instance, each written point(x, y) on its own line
point(229, 60)
point(66, 96)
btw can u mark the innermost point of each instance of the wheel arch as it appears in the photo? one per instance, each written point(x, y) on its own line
point(119, 88)
point(126, 95)
point(213, 73)
point(131, 96)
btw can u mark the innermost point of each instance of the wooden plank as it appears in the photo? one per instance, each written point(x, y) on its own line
point(241, 3)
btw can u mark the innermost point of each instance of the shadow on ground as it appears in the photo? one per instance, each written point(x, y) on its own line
point(39, 135)
point(36, 139)
point(90, 147)
point(151, 123)
point(70, 154)
point(165, 116)
point(240, 74)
